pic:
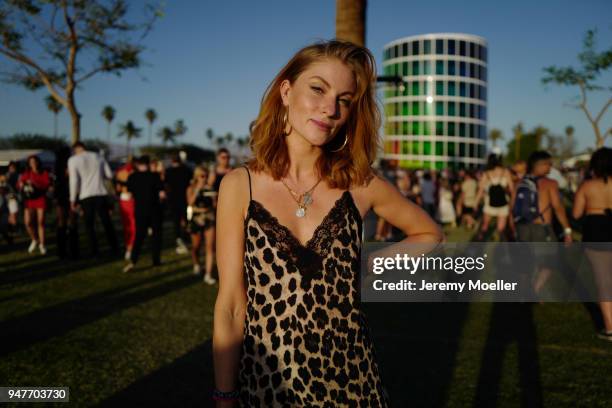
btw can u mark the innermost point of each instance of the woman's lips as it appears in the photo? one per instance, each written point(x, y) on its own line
point(321, 125)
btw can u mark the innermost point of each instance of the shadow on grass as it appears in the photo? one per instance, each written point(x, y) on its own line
point(41, 325)
point(186, 382)
point(416, 345)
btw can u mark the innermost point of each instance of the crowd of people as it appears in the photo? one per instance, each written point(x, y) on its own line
point(82, 185)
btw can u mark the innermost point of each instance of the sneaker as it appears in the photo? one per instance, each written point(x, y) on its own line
point(604, 335)
point(42, 249)
point(128, 255)
point(129, 267)
point(209, 280)
point(196, 269)
point(32, 247)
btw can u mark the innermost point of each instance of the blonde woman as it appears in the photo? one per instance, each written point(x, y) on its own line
point(201, 221)
point(288, 327)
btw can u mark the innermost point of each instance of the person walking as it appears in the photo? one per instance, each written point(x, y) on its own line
point(33, 184)
point(126, 207)
point(496, 187)
point(148, 191)
point(177, 178)
point(87, 172)
point(593, 203)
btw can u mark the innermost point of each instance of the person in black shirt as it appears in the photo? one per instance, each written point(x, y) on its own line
point(177, 179)
point(148, 192)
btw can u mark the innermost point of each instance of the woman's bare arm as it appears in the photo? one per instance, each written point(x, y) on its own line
point(230, 306)
point(579, 203)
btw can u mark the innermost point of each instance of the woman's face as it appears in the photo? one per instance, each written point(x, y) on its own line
point(32, 163)
point(319, 100)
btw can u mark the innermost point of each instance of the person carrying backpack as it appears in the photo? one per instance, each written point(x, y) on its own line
point(495, 187)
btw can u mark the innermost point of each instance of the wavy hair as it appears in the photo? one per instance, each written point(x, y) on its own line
point(352, 164)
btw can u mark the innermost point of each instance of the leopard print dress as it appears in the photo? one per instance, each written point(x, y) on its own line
point(306, 341)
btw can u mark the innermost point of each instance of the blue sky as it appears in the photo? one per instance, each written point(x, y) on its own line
point(209, 62)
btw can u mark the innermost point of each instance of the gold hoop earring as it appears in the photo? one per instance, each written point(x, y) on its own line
point(343, 144)
point(285, 121)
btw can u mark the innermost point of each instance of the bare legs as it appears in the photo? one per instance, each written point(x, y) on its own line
point(209, 248)
point(601, 261)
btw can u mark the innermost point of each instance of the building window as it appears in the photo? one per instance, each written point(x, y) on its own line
point(462, 89)
point(462, 110)
point(462, 48)
point(415, 128)
point(415, 68)
point(439, 149)
point(439, 67)
point(451, 47)
point(439, 47)
point(426, 128)
point(483, 54)
point(439, 128)
point(462, 69)
point(405, 68)
point(462, 129)
point(472, 111)
point(427, 67)
point(426, 46)
point(472, 50)
point(472, 91)
point(462, 149)
point(440, 108)
point(426, 87)
point(415, 109)
point(427, 148)
point(415, 88)
point(451, 128)
point(415, 147)
point(451, 67)
point(415, 48)
point(439, 87)
point(405, 108)
point(451, 108)
point(405, 49)
point(451, 88)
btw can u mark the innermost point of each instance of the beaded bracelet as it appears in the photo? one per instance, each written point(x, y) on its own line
point(225, 395)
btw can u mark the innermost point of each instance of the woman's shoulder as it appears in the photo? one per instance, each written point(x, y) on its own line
point(236, 180)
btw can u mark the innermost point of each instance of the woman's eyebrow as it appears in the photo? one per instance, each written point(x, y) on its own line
point(327, 84)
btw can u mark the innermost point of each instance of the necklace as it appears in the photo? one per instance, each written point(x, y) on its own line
point(303, 200)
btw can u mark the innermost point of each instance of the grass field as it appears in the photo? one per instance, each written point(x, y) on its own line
point(143, 339)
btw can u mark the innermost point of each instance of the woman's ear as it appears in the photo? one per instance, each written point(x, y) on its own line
point(285, 89)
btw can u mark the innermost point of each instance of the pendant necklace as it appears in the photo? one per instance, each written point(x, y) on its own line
point(303, 200)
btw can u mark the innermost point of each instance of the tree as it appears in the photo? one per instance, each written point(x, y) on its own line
point(540, 132)
point(166, 134)
point(495, 135)
point(179, 128)
point(210, 134)
point(351, 20)
point(229, 137)
point(518, 133)
point(151, 116)
point(60, 44)
point(593, 64)
point(130, 131)
point(54, 107)
point(108, 113)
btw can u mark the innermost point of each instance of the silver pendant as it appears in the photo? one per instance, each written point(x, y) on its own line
point(307, 199)
point(300, 212)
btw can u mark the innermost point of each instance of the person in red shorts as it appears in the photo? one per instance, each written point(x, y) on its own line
point(34, 183)
point(126, 206)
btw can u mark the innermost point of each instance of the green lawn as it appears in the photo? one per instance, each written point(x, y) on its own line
point(144, 339)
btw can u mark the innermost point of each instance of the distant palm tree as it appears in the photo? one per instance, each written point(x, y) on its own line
point(151, 116)
point(166, 134)
point(210, 135)
point(495, 135)
point(351, 20)
point(108, 113)
point(220, 140)
point(229, 137)
point(55, 107)
point(130, 131)
point(179, 128)
point(518, 133)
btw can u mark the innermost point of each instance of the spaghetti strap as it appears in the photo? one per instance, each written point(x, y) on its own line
point(249, 174)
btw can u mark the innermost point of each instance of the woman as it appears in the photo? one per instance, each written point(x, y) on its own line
point(220, 169)
point(126, 206)
point(34, 183)
point(593, 200)
point(446, 209)
point(288, 329)
point(467, 199)
point(201, 221)
point(496, 187)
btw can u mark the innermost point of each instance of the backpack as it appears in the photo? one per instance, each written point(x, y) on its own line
point(525, 209)
point(497, 195)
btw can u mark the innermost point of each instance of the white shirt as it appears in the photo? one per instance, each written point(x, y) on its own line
point(86, 172)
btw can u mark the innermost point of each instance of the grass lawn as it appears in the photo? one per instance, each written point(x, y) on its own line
point(144, 339)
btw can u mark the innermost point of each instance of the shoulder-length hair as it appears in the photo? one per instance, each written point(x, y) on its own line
point(352, 164)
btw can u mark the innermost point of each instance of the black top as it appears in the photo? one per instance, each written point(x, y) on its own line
point(177, 180)
point(145, 187)
point(218, 178)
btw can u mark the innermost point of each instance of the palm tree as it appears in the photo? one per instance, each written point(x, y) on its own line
point(210, 135)
point(518, 133)
point(166, 134)
point(130, 131)
point(108, 113)
point(220, 140)
point(229, 137)
point(495, 135)
point(55, 107)
point(179, 127)
point(350, 20)
point(151, 115)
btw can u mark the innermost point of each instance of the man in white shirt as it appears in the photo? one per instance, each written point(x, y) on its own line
point(86, 173)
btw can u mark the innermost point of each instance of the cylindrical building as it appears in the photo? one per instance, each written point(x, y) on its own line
point(437, 118)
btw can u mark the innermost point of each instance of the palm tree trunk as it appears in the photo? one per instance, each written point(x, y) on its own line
point(150, 130)
point(351, 20)
point(55, 125)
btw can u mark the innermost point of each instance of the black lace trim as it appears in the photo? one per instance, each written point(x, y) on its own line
point(307, 257)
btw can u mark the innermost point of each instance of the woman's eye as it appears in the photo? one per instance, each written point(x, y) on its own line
point(316, 89)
